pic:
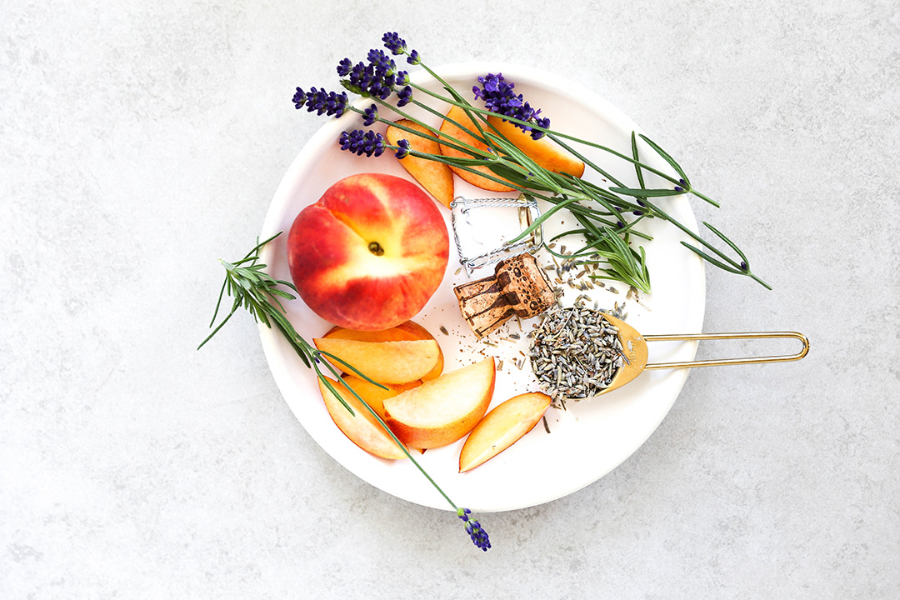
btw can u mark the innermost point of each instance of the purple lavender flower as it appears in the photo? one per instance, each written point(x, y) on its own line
point(382, 90)
point(404, 97)
point(473, 528)
point(394, 43)
point(301, 98)
point(397, 45)
point(381, 62)
point(361, 76)
point(362, 142)
point(370, 115)
point(541, 122)
point(343, 68)
point(321, 102)
point(499, 97)
point(402, 149)
point(377, 79)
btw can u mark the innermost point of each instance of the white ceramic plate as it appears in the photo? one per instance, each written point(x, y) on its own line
point(587, 440)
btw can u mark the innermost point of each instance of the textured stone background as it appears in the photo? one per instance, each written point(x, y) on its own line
point(139, 142)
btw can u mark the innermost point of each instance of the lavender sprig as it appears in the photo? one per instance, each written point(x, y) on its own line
point(394, 43)
point(473, 528)
point(376, 79)
point(499, 98)
point(321, 102)
point(363, 142)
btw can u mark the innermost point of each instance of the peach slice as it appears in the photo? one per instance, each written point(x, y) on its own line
point(374, 395)
point(443, 410)
point(501, 428)
point(384, 362)
point(361, 428)
point(409, 330)
point(435, 177)
point(459, 115)
point(543, 151)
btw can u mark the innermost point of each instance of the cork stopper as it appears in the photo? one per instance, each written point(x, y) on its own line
point(519, 286)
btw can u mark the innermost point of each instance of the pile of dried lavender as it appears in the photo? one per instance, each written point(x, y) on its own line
point(575, 353)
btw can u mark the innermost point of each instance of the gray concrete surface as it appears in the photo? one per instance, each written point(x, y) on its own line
point(140, 142)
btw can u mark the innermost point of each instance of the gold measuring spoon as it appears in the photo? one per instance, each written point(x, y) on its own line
point(634, 346)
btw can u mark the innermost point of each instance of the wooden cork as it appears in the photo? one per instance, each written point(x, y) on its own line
point(518, 287)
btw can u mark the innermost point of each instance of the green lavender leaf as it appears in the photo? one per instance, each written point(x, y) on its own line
point(643, 193)
point(667, 158)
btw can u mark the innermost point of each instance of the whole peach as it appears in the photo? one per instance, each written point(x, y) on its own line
point(370, 253)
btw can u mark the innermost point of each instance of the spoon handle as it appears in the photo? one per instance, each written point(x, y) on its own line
point(729, 336)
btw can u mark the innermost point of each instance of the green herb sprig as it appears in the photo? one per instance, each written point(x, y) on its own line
point(253, 289)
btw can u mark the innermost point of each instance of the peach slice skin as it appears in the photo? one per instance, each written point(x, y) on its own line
point(501, 428)
point(449, 129)
point(443, 410)
point(384, 362)
point(435, 177)
point(543, 151)
point(360, 428)
point(409, 330)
